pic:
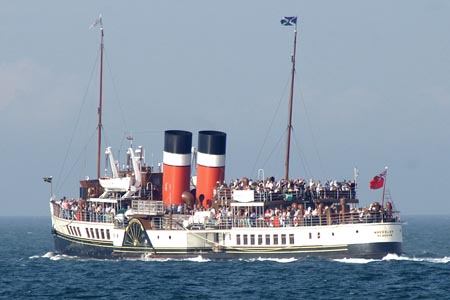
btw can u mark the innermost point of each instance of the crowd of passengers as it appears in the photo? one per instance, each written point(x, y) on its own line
point(312, 188)
point(82, 211)
point(293, 215)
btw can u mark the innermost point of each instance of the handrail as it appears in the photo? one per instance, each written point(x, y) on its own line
point(177, 221)
point(146, 207)
point(304, 195)
point(82, 215)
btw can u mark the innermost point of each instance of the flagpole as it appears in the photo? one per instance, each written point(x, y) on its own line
point(288, 146)
point(384, 187)
point(49, 180)
point(100, 102)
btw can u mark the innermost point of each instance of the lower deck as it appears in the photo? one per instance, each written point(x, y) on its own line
point(373, 240)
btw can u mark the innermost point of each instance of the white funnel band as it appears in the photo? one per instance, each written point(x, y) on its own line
point(210, 160)
point(177, 160)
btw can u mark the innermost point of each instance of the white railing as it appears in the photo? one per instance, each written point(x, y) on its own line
point(146, 207)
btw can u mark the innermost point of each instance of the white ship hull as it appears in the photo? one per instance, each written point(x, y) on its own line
point(105, 240)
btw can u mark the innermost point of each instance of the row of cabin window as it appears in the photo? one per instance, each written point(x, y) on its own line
point(90, 232)
point(250, 239)
point(245, 239)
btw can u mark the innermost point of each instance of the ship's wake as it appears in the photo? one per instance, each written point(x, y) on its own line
point(56, 256)
point(199, 259)
point(395, 257)
point(53, 256)
point(278, 260)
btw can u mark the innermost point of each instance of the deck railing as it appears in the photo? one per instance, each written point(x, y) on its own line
point(223, 194)
point(182, 221)
point(149, 208)
point(179, 221)
point(82, 215)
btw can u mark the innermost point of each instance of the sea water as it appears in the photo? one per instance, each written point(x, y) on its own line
point(30, 269)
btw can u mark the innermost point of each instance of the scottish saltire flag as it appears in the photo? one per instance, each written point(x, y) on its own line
point(47, 179)
point(289, 21)
point(96, 22)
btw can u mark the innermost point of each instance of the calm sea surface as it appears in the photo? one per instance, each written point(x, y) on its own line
point(29, 269)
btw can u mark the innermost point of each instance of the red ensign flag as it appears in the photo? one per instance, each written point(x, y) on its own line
point(378, 181)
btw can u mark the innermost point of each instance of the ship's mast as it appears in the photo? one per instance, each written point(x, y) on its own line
point(100, 101)
point(291, 98)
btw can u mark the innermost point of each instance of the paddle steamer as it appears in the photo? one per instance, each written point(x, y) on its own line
point(141, 212)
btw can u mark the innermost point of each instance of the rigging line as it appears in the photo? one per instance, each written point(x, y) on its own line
point(121, 147)
point(276, 145)
point(147, 131)
point(308, 120)
point(271, 123)
point(77, 122)
point(122, 114)
point(106, 137)
point(389, 198)
point(303, 160)
point(76, 161)
point(124, 137)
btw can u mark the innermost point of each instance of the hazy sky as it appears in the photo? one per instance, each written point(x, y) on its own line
point(372, 90)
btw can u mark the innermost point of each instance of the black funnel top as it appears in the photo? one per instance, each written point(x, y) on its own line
point(212, 142)
point(177, 141)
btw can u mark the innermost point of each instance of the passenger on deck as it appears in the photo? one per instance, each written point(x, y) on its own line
point(66, 208)
point(91, 210)
point(308, 212)
point(253, 219)
point(128, 212)
point(267, 216)
point(319, 189)
point(224, 184)
point(99, 212)
point(73, 210)
point(224, 212)
point(180, 209)
point(213, 212)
